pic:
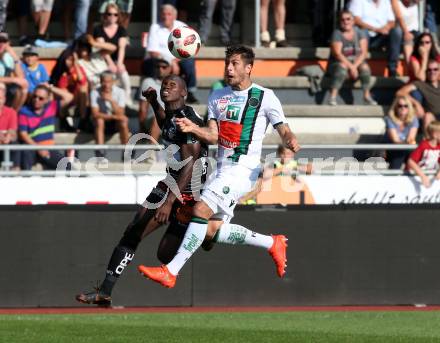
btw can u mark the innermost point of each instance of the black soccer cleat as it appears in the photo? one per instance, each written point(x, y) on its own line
point(95, 298)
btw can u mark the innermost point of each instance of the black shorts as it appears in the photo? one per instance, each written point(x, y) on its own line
point(181, 212)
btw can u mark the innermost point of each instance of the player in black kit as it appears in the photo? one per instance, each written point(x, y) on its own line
point(176, 211)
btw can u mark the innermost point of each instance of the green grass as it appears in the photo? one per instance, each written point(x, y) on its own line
point(387, 327)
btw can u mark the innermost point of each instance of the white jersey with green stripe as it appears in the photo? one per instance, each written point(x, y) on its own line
point(242, 118)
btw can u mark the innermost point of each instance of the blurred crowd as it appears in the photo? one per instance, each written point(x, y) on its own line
point(89, 88)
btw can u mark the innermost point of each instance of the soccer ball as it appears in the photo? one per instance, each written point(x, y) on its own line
point(184, 42)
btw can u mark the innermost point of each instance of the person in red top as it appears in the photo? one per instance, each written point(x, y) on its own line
point(8, 126)
point(74, 80)
point(427, 155)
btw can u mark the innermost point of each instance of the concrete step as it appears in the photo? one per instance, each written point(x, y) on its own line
point(218, 53)
point(294, 82)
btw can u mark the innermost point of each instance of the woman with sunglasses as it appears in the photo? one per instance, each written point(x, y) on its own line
point(401, 128)
point(111, 31)
point(349, 49)
point(424, 50)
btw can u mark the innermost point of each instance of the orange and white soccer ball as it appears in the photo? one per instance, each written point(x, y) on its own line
point(184, 42)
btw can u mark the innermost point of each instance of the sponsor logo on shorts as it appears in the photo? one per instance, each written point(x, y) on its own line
point(125, 261)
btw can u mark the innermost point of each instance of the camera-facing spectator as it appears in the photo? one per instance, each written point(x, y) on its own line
point(158, 48)
point(429, 110)
point(34, 71)
point(8, 126)
point(91, 57)
point(74, 80)
point(377, 17)
point(125, 9)
point(426, 156)
point(424, 50)
point(279, 8)
point(108, 110)
point(349, 49)
point(12, 74)
point(163, 69)
point(401, 128)
point(407, 26)
point(111, 32)
point(36, 125)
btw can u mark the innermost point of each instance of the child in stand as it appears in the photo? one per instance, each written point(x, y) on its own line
point(426, 156)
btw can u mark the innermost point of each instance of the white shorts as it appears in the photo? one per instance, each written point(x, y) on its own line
point(221, 193)
point(42, 5)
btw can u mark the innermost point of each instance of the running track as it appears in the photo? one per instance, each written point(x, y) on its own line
point(116, 310)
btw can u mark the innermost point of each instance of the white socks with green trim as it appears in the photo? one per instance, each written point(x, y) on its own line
point(193, 239)
point(237, 234)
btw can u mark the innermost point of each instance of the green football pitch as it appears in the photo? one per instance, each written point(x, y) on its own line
point(308, 326)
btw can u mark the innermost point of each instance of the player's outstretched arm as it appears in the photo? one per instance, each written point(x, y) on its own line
point(288, 137)
point(207, 134)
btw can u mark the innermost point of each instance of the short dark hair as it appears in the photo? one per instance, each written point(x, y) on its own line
point(246, 53)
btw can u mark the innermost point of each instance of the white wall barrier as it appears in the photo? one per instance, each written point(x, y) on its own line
point(132, 189)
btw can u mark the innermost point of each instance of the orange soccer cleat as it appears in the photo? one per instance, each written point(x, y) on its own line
point(159, 274)
point(278, 252)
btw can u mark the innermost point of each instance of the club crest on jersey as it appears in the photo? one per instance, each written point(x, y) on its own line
point(226, 190)
point(222, 105)
point(253, 102)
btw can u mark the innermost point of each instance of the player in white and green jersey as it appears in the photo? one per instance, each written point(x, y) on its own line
point(238, 116)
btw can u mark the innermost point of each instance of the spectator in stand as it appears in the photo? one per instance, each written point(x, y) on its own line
point(227, 16)
point(3, 14)
point(41, 12)
point(23, 12)
point(93, 62)
point(430, 90)
point(430, 23)
point(407, 27)
point(349, 49)
point(426, 156)
point(36, 123)
point(8, 126)
point(163, 69)
point(80, 10)
point(125, 8)
point(34, 72)
point(74, 80)
point(401, 128)
point(12, 74)
point(111, 32)
point(377, 17)
point(287, 165)
point(279, 8)
point(158, 48)
point(424, 50)
point(108, 111)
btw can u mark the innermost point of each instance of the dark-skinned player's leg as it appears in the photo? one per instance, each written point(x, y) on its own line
point(140, 227)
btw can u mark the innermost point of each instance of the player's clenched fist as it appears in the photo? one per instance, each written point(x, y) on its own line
point(293, 144)
point(184, 124)
point(150, 94)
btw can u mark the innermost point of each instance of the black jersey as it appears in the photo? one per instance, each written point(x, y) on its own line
point(171, 135)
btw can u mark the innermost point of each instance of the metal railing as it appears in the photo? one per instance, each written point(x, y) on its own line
point(6, 164)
